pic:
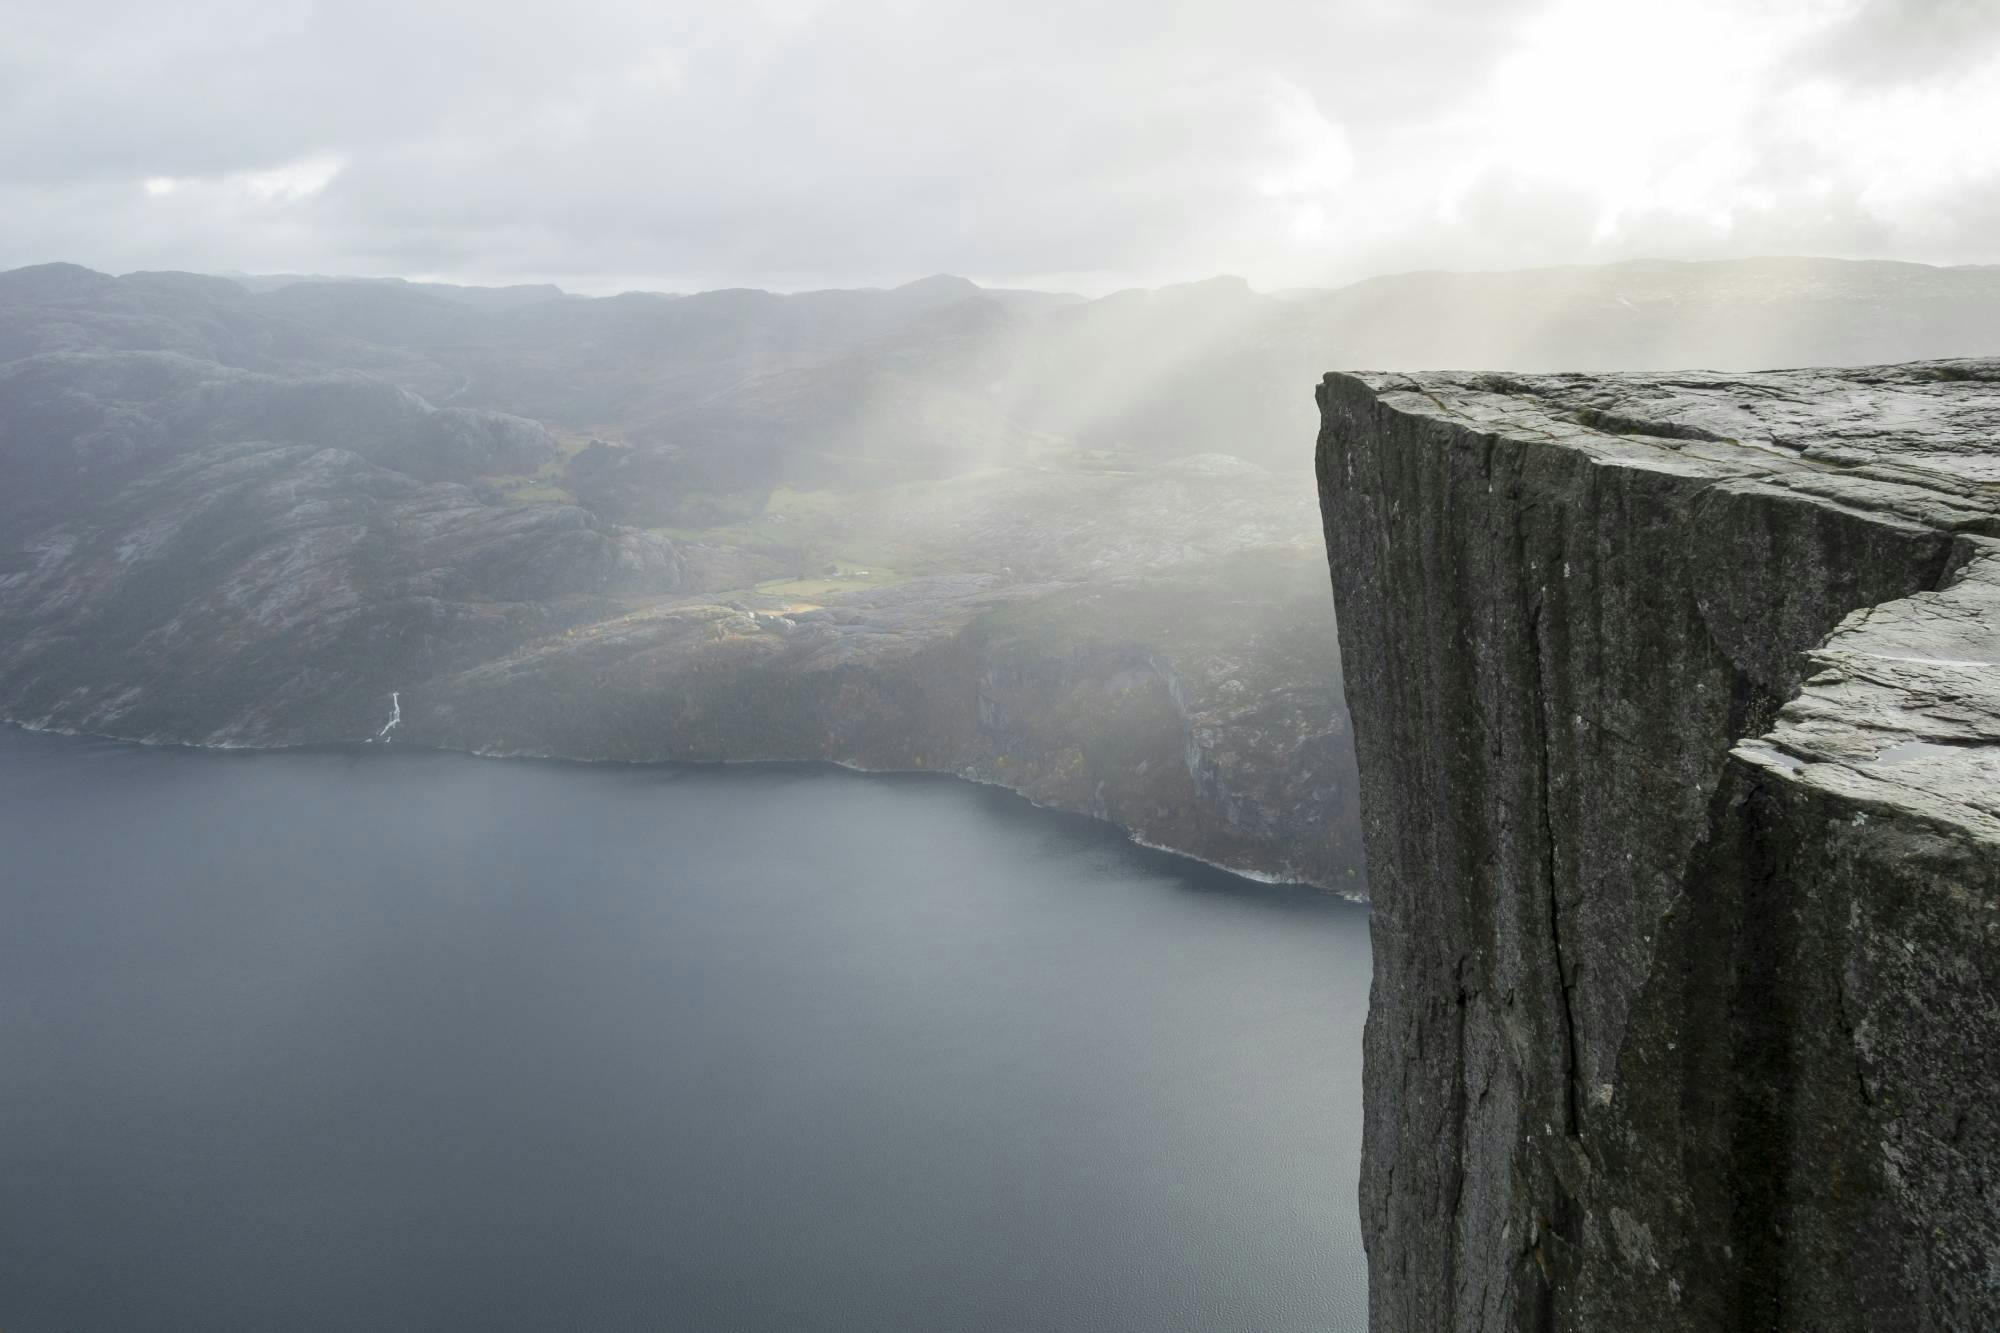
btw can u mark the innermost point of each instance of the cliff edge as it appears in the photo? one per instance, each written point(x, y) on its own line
point(1677, 702)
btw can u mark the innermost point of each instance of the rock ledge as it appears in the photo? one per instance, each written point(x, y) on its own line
point(1677, 701)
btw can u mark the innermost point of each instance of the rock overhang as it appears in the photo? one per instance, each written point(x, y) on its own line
point(1678, 707)
point(1900, 705)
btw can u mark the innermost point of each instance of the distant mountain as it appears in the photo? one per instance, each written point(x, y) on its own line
point(1068, 545)
point(746, 378)
point(482, 298)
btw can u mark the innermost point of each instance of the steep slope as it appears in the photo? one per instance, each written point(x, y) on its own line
point(1221, 740)
point(1677, 702)
point(195, 552)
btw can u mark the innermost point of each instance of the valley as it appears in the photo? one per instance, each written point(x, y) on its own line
point(1066, 546)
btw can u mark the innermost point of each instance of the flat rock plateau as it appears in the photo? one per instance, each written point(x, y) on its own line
point(1677, 701)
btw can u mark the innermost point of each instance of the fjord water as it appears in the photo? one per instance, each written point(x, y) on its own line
point(399, 1041)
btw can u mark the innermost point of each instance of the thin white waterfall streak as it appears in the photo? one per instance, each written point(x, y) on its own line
point(395, 716)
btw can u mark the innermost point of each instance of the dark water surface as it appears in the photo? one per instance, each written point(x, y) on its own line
point(400, 1041)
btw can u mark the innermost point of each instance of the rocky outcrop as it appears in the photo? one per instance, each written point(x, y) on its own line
point(1677, 703)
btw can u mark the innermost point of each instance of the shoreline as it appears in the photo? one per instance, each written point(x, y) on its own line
point(1248, 874)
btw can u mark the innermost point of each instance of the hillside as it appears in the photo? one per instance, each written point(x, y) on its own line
point(1066, 545)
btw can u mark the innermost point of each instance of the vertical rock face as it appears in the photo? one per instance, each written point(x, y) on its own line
point(1677, 703)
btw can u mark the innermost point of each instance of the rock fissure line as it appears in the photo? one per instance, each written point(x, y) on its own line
point(1572, 1075)
point(1775, 981)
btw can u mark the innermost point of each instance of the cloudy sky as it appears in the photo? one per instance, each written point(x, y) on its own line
point(607, 144)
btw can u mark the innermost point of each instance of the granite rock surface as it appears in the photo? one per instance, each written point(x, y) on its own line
point(1677, 703)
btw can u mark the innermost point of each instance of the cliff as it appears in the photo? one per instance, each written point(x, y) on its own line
point(930, 527)
point(1677, 704)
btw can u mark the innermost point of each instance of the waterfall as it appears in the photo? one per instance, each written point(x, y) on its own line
point(395, 716)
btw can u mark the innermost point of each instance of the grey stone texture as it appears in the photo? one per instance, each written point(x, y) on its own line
point(1677, 703)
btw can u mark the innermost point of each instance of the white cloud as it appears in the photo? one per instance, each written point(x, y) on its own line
point(287, 184)
point(800, 142)
point(241, 200)
point(1611, 129)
